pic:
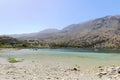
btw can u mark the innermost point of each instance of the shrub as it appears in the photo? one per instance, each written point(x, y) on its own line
point(13, 59)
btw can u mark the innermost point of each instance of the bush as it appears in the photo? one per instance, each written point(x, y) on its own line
point(13, 59)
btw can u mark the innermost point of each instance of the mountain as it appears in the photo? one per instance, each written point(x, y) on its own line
point(98, 33)
point(48, 33)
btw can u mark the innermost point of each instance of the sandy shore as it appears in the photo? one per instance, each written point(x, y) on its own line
point(50, 70)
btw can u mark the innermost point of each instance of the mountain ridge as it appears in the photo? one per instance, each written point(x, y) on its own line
point(98, 33)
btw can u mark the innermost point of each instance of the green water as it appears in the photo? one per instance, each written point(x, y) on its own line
point(71, 56)
point(75, 53)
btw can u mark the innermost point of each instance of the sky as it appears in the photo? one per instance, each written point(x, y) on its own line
point(27, 16)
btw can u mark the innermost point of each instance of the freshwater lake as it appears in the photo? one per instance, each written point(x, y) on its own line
point(82, 53)
point(85, 57)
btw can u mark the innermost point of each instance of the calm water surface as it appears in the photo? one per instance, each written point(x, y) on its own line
point(82, 57)
point(78, 53)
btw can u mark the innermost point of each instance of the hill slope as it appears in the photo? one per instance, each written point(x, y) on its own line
point(98, 33)
point(9, 42)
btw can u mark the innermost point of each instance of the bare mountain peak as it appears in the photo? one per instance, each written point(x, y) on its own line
point(104, 24)
point(49, 30)
point(70, 26)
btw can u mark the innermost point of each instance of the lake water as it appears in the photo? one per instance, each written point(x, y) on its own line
point(76, 56)
point(82, 53)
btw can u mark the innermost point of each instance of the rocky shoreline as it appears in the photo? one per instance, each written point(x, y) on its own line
point(38, 70)
point(110, 72)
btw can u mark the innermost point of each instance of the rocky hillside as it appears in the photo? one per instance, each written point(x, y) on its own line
point(98, 33)
point(45, 34)
point(9, 42)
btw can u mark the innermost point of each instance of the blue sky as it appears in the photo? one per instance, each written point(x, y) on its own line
point(26, 16)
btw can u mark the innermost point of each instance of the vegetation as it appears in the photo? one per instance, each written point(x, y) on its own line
point(90, 41)
point(95, 41)
point(13, 60)
point(9, 42)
